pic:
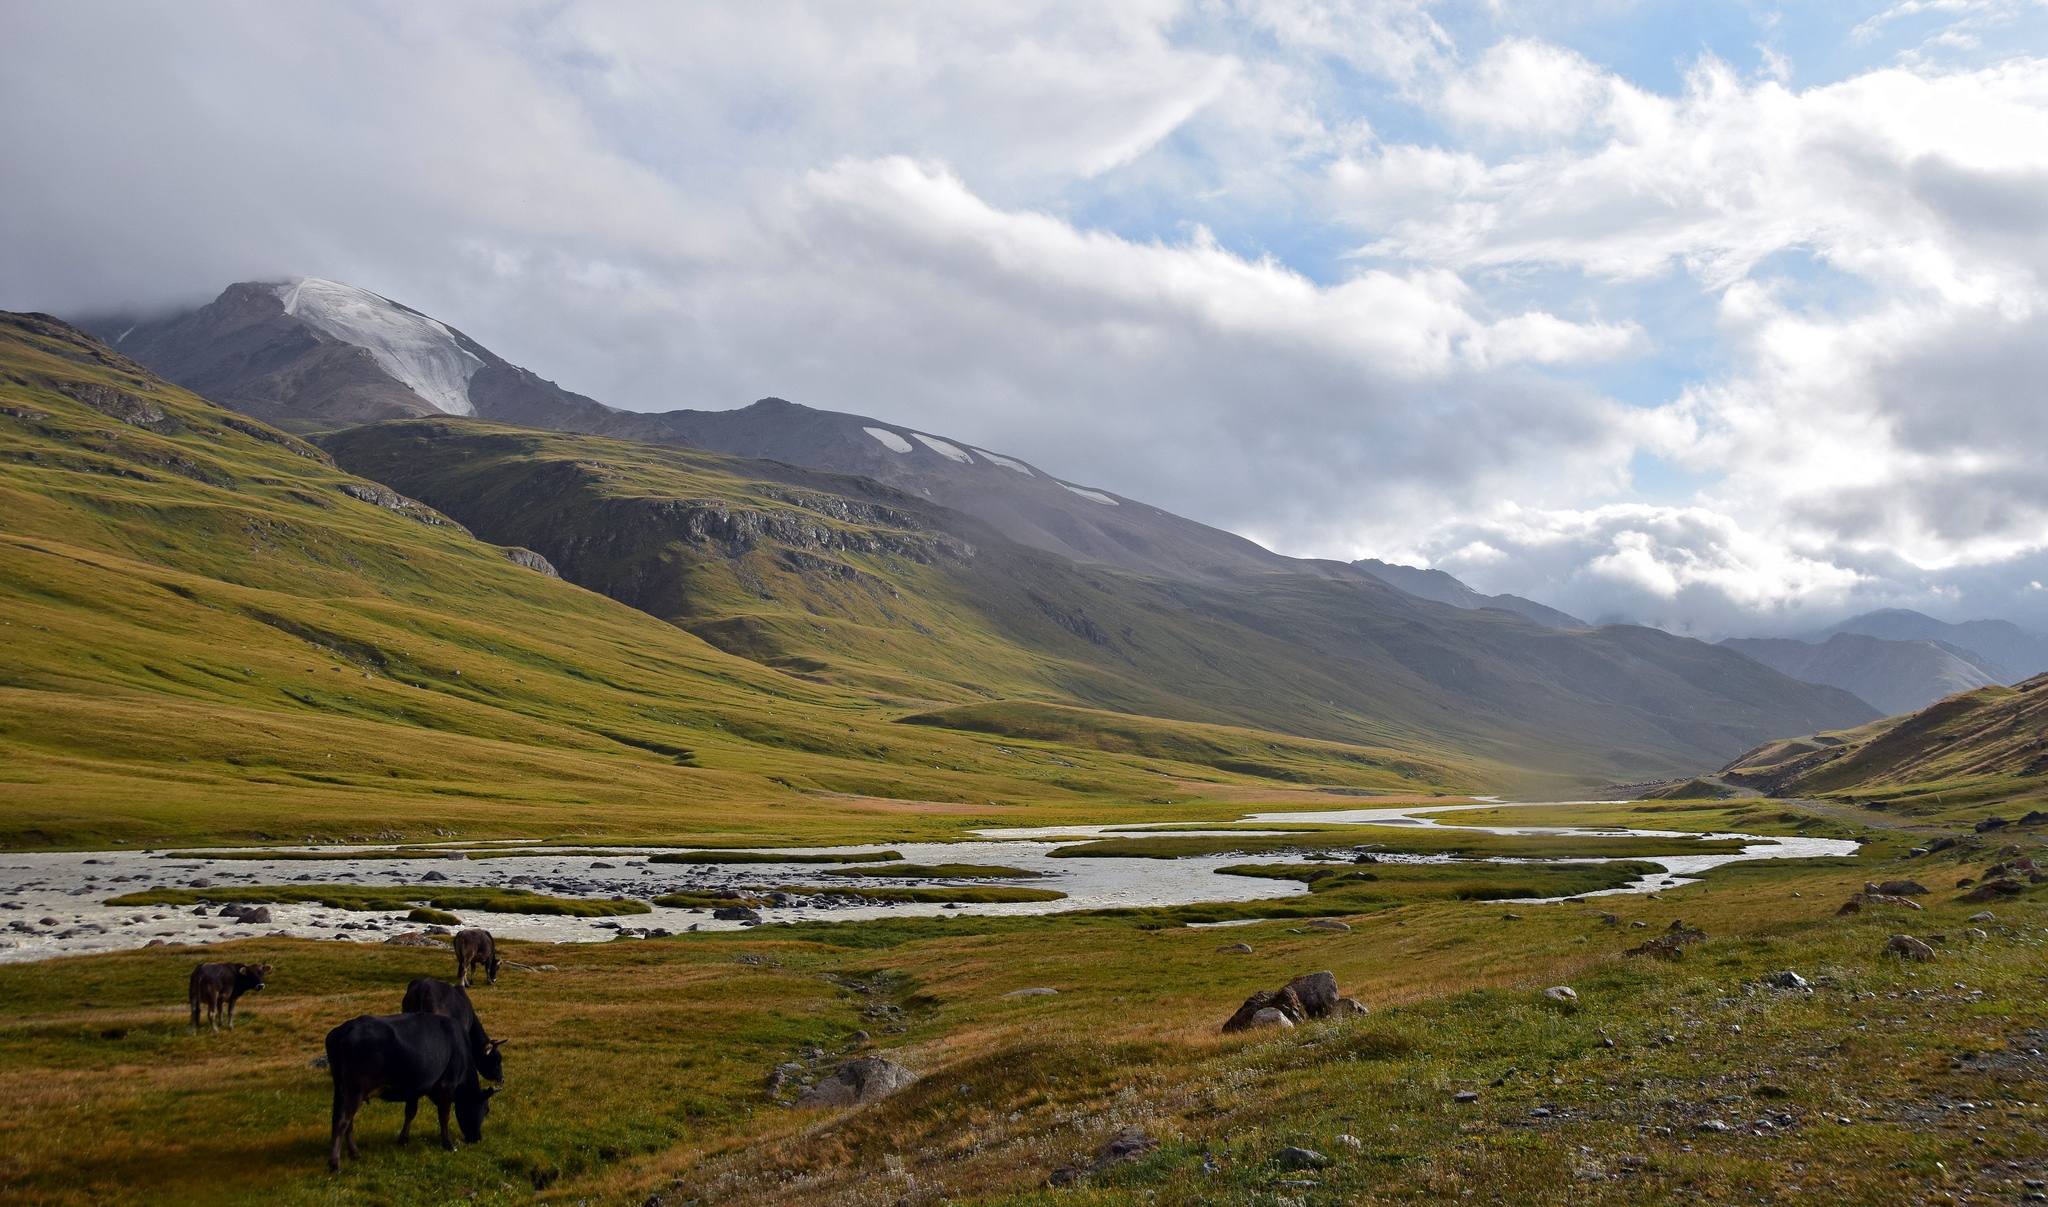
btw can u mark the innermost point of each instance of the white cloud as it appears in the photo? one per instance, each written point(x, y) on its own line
point(1109, 239)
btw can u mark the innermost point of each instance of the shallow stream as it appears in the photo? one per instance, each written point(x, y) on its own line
point(55, 904)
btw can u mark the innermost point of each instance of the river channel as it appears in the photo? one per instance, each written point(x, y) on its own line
point(54, 904)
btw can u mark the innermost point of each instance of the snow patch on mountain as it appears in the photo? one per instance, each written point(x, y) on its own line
point(1096, 495)
point(943, 449)
point(1005, 462)
point(411, 347)
point(890, 440)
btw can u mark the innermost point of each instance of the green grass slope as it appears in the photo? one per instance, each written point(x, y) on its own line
point(1975, 755)
point(840, 580)
point(210, 632)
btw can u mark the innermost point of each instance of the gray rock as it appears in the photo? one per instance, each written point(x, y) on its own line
point(1235, 949)
point(1713, 1125)
point(1292, 1157)
point(1466, 1096)
point(1984, 916)
point(1348, 1007)
point(735, 913)
point(1910, 948)
point(1327, 924)
point(1787, 979)
point(859, 1081)
point(1128, 1144)
point(1040, 992)
point(1268, 1017)
point(1562, 993)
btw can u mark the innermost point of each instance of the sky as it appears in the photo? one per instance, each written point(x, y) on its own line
point(1729, 317)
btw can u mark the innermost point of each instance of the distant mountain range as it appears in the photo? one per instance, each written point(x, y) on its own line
point(1901, 661)
point(925, 571)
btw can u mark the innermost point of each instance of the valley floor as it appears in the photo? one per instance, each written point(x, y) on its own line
point(636, 1068)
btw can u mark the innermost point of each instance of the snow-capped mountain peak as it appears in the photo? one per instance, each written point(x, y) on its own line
point(417, 350)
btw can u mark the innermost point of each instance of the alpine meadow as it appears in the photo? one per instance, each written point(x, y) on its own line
point(1243, 603)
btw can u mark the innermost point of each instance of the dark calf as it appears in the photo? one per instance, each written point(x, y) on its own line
point(429, 996)
point(217, 987)
point(475, 949)
point(403, 1058)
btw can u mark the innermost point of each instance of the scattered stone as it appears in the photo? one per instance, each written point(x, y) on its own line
point(1638, 925)
point(1351, 1142)
point(1466, 1096)
point(1984, 916)
point(1264, 1017)
point(1713, 1125)
point(1992, 890)
point(435, 876)
point(1974, 933)
point(736, 913)
point(413, 939)
point(1562, 993)
point(1992, 823)
point(1670, 945)
point(1511, 917)
point(1859, 900)
point(259, 915)
point(156, 943)
point(861, 1080)
point(1128, 1144)
point(1031, 993)
point(1327, 924)
point(1348, 1007)
point(318, 1062)
point(1896, 888)
point(1787, 979)
point(1292, 1157)
point(1910, 948)
point(1234, 949)
point(776, 1080)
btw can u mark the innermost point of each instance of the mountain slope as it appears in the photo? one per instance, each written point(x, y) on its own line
point(319, 354)
point(840, 578)
point(1895, 676)
point(1441, 587)
point(1999, 642)
point(214, 633)
point(1979, 753)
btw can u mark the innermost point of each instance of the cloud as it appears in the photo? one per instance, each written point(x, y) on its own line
point(1371, 278)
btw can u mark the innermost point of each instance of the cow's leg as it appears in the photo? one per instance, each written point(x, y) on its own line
point(412, 1107)
point(343, 1124)
point(231, 1014)
point(441, 1104)
point(195, 1016)
point(462, 972)
point(213, 1014)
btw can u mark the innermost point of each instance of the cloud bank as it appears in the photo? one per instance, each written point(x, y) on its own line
point(1730, 349)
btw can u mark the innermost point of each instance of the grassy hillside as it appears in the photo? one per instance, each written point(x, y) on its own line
point(211, 632)
point(1974, 755)
point(842, 581)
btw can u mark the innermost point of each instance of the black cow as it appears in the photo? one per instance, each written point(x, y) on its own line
point(218, 986)
point(429, 996)
point(475, 948)
point(403, 1058)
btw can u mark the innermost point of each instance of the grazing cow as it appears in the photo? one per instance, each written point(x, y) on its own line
point(403, 1058)
point(429, 996)
point(217, 987)
point(474, 948)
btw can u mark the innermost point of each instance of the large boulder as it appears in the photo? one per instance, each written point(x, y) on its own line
point(1301, 999)
point(858, 1081)
point(1896, 888)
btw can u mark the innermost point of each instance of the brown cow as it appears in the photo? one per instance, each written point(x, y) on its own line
point(218, 987)
point(474, 948)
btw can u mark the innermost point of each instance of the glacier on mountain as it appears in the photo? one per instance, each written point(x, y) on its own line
point(421, 353)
